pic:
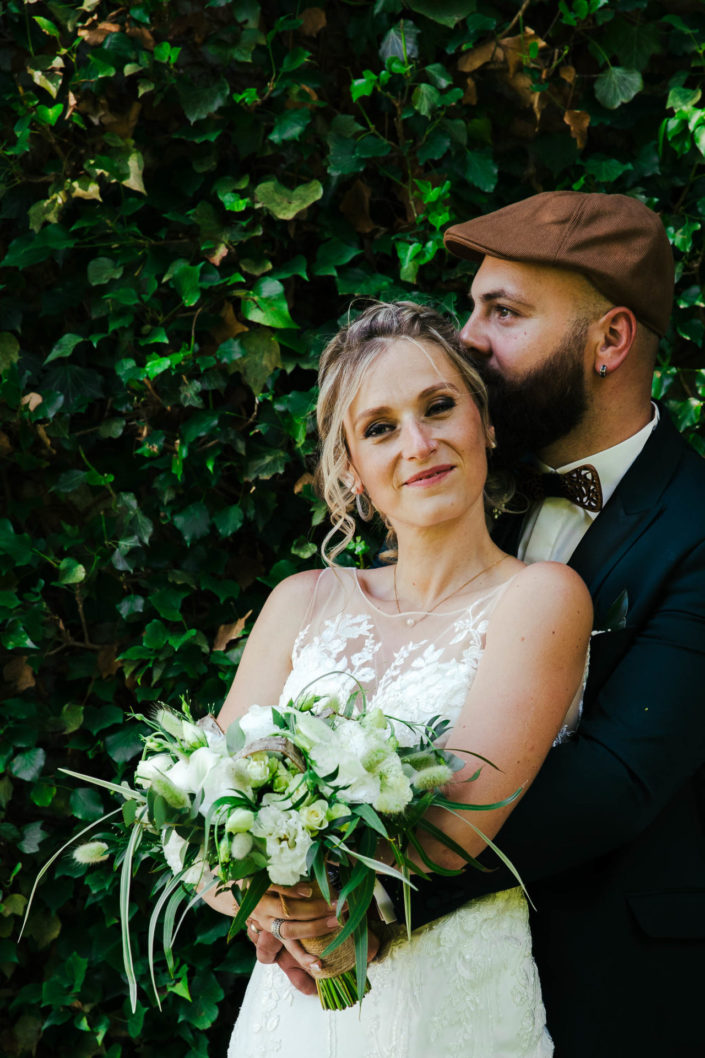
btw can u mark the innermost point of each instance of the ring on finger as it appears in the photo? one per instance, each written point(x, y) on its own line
point(276, 928)
point(254, 929)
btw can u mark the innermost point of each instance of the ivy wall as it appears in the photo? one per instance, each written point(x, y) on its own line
point(192, 192)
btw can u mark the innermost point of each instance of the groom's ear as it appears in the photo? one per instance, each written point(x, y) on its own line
point(613, 337)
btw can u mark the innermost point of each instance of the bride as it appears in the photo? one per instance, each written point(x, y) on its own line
point(452, 626)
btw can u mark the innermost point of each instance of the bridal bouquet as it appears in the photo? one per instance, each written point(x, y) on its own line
point(301, 792)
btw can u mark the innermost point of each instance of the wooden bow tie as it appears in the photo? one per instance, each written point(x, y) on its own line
point(581, 485)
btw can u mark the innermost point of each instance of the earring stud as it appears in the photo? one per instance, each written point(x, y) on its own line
point(603, 371)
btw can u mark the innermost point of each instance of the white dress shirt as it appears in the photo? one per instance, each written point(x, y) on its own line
point(554, 528)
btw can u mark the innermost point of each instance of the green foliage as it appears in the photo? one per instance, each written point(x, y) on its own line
point(191, 193)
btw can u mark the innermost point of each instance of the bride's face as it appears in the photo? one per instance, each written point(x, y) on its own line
point(415, 437)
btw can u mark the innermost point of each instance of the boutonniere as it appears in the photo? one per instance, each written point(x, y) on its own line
point(616, 615)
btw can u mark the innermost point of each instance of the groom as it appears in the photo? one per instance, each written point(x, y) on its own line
point(571, 296)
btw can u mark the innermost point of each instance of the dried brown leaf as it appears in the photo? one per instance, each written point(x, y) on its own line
point(470, 94)
point(517, 49)
point(107, 660)
point(142, 35)
point(18, 673)
point(226, 633)
point(578, 122)
point(5, 444)
point(31, 401)
point(568, 74)
point(97, 34)
point(230, 327)
point(219, 254)
point(305, 479)
point(314, 20)
point(472, 60)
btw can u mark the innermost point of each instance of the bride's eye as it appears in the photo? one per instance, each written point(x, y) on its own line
point(377, 429)
point(440, 405)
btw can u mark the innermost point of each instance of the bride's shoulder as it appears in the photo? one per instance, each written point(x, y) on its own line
point(546, 589)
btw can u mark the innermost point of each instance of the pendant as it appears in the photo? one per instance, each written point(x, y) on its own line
point(410, 622)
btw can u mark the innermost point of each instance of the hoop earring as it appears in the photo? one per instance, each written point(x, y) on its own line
point(603, 371)
point(364, 507)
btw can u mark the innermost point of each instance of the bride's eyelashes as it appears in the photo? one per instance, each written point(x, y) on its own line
point(438, 406)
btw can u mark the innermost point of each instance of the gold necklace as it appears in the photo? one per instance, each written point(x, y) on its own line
point(411, 621)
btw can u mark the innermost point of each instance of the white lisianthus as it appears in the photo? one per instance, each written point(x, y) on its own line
point(241, 846)
point(151, 766)
point(225, 777)
point(287, 843)
point(91, 852)
point(257, 723)
point(175, 849)
point(314, 816)
point(188, 734)
point(312, 731)
point(239, 821)
point(190, 773)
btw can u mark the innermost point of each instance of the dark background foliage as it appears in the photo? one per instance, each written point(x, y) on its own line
point(191, 194)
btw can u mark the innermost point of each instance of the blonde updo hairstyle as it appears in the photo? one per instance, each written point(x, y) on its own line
point(342, 366)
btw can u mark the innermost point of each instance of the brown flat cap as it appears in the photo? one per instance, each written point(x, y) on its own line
point(617, 242)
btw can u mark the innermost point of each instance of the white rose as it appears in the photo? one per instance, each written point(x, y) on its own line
point(314, 816)
point(190, 773)
point(223, 778)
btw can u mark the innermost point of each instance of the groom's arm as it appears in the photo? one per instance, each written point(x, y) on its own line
point(642, 739)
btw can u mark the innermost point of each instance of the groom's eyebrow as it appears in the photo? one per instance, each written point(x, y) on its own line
point(502, 294)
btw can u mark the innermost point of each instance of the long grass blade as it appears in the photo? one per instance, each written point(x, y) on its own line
point(125, 791)
point(125, 879)
point(153, 918)
point(176, 900)
point(52, 859)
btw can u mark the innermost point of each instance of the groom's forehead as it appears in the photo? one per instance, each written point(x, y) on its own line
point(524, 282)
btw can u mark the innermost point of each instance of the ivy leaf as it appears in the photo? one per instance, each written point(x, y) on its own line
point(201, 100)
point(481, 170)
point(449, 13)
point(266, 303)
point(332, 253)
point(31, 249)
point(185, 278)
point(617, 85)
point(86, 804)
point(123, 745)
point(229, 520)
point(64, 347)
point(193, 522)
point(289, 125)
point(261, 357)
point(79, 385)
point(425, 99)
point(102, 270)
point(28, 766)
point(283, 203)
point(71, 571)
point(9, 351)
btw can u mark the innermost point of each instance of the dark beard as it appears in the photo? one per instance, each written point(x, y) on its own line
point(532, 412)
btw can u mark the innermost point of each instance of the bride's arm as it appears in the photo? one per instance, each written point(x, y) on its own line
point(532, 666)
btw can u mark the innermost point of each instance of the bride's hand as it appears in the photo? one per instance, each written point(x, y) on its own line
point(305, 916)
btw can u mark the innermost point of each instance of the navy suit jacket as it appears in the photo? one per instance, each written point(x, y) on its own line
point(610, 839)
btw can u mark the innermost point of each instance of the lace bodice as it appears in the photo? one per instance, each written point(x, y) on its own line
point(413, 666)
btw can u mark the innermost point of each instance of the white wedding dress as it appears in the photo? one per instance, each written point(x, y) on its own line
point(465, 984)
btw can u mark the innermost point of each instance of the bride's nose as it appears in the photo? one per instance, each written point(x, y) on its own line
point(417, 440)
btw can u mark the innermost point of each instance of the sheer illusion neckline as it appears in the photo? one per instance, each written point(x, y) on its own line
point(476, 597)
